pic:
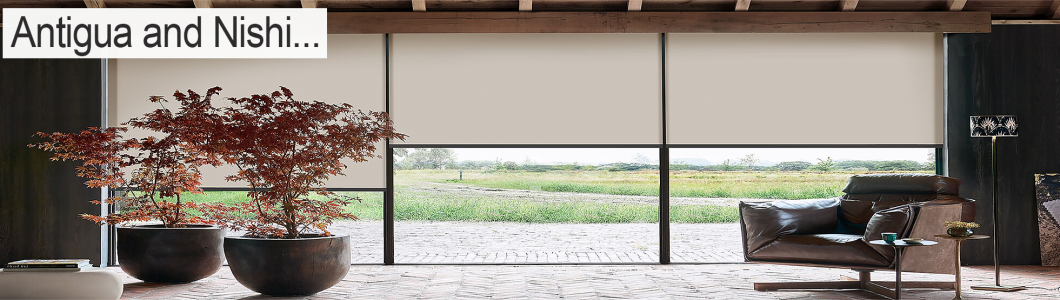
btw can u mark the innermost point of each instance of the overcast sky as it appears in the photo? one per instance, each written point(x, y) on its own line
point(715, 155)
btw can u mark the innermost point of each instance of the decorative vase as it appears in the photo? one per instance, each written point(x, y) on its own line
point(288, 267)
point(153, 253)
point(959, 232)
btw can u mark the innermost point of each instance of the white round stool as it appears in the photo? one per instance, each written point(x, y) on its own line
point(95, 283)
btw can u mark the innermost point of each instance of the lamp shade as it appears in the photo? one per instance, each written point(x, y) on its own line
point(994, 126)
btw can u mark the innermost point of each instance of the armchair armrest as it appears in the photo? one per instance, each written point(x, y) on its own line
point(929, 222)
point(920, 221)
point(967, 206)
point(763, 222)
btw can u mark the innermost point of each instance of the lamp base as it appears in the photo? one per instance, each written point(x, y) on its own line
point(999, 288)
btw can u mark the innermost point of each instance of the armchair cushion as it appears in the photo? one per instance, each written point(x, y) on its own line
point(765, 221)
point(898, 220)
point(855, 215)
point(836, 249)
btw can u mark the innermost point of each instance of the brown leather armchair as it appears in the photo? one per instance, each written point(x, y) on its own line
point(835, 232)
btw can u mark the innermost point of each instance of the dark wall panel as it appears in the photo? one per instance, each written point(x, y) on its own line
point(40, 200)
point(1013, 70)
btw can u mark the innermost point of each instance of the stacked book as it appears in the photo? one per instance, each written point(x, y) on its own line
point(48, 265)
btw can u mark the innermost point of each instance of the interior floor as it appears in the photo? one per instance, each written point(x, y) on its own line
point(704, 281)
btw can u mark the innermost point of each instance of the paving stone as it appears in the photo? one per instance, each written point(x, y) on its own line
point(506, 242)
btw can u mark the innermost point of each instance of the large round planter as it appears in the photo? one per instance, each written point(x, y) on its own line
point(288, 267)
point(153, 253)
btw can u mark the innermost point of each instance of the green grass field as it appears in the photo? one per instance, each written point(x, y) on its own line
point(425, 207)
point(414, 203)
point(699, 184)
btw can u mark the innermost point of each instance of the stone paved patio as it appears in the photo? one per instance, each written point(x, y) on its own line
point(713, 281)
point(509, 243)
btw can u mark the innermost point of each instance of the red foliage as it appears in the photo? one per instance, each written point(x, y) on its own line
point(161, 172)
point(285, 149)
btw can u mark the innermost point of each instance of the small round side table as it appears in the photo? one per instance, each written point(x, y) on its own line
point(899, 246)
point(957, 262)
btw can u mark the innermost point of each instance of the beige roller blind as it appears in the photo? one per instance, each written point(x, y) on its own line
point(527, 88)
point(353, 73)
point(871, 88)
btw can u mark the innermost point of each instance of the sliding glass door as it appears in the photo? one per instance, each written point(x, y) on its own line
point(539, 205)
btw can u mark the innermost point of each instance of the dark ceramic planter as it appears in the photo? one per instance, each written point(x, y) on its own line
point(288, 267)
point(153, 253)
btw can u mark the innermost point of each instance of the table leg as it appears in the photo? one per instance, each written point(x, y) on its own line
point(957, 276)
point(897, 273)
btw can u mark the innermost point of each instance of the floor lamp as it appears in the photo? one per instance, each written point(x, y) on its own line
point(994, 127)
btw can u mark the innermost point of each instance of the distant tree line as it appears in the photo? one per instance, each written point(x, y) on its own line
point(822, 165)
point(441, 158)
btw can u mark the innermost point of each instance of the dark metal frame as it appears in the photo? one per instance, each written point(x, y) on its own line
point(242, 189)
point(388, 196)
point(106, 255)
point(864, 282)
point(804, 145)
point(533, 146)
point(664, 168)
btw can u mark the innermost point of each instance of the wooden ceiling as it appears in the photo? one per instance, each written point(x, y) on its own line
point(998, 9)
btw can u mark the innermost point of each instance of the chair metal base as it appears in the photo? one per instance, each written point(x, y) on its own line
point(863, 282)
point(999, 288)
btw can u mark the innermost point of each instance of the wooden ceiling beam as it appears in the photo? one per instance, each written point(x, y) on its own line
point(309, 3)
point(655, 22)
point(848, 5)
point(635, 5)
point(1025, 22)
point(1000, 10)
point(743, 5)
point(1054, 10)
point(526, 5)
point(95, 4)
point(955, 5)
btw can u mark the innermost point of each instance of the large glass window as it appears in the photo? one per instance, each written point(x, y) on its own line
point(722, 177)
point(467, 205)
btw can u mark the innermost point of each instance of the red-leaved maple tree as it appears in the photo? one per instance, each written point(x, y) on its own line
point(285, 150)
point(160, 171)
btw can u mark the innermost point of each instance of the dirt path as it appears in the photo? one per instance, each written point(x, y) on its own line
point(456, 190)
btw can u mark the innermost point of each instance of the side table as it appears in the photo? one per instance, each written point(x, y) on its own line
point(959, 241)
point(899, 245)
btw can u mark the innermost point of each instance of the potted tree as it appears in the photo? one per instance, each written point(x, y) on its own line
point(285, 150)
point(151, 175)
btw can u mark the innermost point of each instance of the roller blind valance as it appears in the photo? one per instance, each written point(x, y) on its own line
point(835, 88)
point(527, 88)
point(353, 73)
